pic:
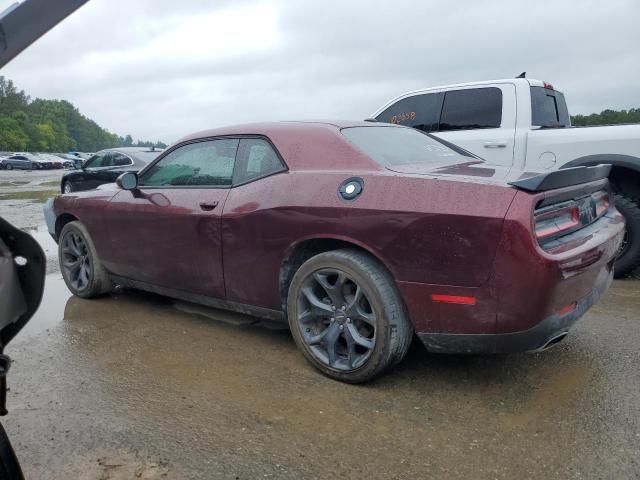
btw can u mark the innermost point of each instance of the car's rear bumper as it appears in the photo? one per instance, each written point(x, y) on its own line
point(50, 217)
point(546, 333)
point(532, 296)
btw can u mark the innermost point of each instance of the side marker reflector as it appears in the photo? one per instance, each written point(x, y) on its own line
point(567, 310)
point(453, 299)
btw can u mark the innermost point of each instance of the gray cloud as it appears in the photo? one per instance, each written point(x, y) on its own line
point(160, 69)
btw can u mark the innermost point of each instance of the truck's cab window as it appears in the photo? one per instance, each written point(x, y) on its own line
point(471, 109)
point(418, 111)
point(548, 108)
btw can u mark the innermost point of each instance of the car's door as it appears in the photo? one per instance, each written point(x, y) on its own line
point(167, 232)
point(87, 177)
point(113, 166)
point(20, 162)
point(97, 173)
point(481, 120)
point(252, 239)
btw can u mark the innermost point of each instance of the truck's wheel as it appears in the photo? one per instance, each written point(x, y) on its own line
point(629, 255)
point(347, 316)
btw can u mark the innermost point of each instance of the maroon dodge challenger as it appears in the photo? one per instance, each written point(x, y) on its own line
point(357, 234)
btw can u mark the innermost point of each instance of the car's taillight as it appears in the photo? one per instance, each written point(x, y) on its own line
point(552, 220)
point(601, 200)
point(557, 222)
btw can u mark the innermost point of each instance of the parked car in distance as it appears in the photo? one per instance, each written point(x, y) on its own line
point(105, 166)
point(524, 124)
point(48, 161)
point(70, 161)
point(19, 162)
point(358, 233)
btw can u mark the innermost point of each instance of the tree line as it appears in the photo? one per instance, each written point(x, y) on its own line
point(40, 125)
point(607, 117)
point(57, 126)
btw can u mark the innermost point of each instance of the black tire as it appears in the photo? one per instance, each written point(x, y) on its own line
point(387, 330)
point(9, 166)
point(67, 187)
point(629, 256)
point(80, 265)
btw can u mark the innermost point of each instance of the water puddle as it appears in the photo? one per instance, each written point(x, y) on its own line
point(51, 311)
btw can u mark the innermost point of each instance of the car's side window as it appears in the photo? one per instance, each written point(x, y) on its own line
point(471, 108)
point(207, 164)
point(256, 158)
point(107, 160)
point(95, 161)
point(418, 111)
point(120, 160)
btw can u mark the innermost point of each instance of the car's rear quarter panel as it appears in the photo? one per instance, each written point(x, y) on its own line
point(531, 284)
point(423, 229)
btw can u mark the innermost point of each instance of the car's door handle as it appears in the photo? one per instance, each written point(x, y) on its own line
point(495, 144)
point(208, 205)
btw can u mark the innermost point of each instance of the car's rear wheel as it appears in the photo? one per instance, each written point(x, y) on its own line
point(347, 316)
point(67, 187)
point(80, 265)
point(629, 254)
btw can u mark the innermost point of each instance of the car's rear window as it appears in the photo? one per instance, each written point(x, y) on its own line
point(391, 146)
point(548, 108)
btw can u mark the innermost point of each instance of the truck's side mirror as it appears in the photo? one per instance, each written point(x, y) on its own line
point(127, 181)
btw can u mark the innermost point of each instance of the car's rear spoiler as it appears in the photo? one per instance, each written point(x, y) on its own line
point(562, 178)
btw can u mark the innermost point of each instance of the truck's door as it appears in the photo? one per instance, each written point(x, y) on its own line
point(481, 120)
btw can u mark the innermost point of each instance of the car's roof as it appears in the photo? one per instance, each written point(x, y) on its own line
point(268, 128)
point(306, 144)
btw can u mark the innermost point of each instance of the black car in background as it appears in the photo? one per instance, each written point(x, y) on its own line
point(107, 165)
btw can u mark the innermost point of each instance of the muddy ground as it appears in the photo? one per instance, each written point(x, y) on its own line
point(135, 386)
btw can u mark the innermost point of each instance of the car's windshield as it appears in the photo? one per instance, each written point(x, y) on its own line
point(391, 146)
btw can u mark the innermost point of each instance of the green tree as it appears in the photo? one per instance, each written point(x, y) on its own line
point(607, 117)
point(12, 137)
point(48, 125)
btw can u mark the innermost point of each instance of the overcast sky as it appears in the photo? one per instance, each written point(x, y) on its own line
point(159, 69)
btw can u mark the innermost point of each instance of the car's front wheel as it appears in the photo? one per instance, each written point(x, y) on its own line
point(67, 187)
point(9, 166)
point(79, 263)
point(347, 316)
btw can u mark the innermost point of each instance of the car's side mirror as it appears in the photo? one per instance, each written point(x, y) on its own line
point(127, 181)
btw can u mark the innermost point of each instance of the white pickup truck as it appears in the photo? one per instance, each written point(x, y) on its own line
point(523, 125)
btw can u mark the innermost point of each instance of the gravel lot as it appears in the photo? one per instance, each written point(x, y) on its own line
point(138, 386)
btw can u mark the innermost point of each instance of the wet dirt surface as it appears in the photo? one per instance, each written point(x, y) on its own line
point(23, 192)
point(139, 386)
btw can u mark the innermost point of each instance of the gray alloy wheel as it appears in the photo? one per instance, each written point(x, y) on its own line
point(67, 187)
point(336, 319)
point(347, 317)
point(9, 166)
point(81, 268)
point(76, 261)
